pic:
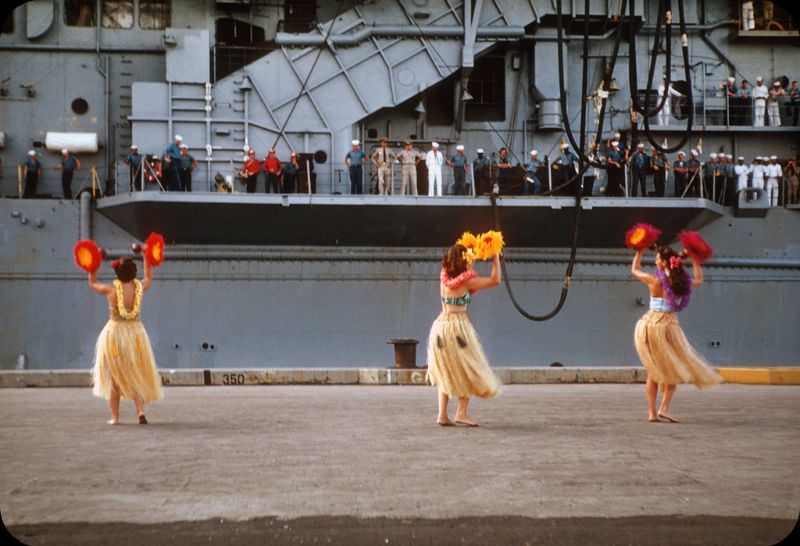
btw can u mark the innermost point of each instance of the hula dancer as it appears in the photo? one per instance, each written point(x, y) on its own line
point(662, 346)
point(124, 366)
point(456, 362)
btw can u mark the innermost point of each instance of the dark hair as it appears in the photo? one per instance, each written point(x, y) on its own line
point(678, 279)
point(454, 261)
point(126, 269)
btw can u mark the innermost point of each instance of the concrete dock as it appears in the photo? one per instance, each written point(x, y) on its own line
point(361, 464)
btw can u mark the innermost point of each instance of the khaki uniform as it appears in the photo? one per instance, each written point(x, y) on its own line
point(383, 158)
point(408, 167)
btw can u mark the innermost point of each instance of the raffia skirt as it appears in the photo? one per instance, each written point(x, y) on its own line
point(456, 362)
point(124, 358)
point(666, 353)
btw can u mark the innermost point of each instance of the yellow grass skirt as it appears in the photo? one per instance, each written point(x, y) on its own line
point(124, 358)
point(456, 363)
point(666, 353)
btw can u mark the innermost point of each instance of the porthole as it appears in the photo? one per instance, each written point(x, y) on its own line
point(80, 106)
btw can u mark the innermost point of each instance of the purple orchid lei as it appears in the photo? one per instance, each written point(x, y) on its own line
point(674, 304)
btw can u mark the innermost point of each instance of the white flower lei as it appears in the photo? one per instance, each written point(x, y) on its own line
point(137, 300)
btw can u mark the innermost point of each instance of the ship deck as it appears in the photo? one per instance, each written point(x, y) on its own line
point(393, 221)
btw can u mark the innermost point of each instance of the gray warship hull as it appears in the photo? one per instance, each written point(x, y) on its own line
point(320, 279)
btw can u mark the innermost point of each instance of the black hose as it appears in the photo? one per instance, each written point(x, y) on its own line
point(688, 75)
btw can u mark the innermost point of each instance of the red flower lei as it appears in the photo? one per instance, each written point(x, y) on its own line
point(457, 281)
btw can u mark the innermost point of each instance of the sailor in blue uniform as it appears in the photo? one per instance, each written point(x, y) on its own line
point(532, 183)
point(640, 165)
point(69, 164)
point(134, 161)
point(355, 160)
point(32, 171)
point(172, 162)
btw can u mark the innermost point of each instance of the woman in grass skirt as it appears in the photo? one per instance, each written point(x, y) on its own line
point(662, 346)
point(125, 366)
point(456, 362)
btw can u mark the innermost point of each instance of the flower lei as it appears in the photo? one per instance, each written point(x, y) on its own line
point(137, 300)
point(457, 281)
point(674, 304)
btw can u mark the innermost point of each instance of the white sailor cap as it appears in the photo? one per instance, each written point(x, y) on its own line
point(759, 79)
point(355, 142)
point(740, 158)
point(184, 146)
point(134, 147)
point(731, 79)
point(712, 155)
point(693, 152)
point(615, 143)
point(479, 150)
point(534, 152)
point(178, 137)
point(31, 152)
point(640, 145)
point(681, 153)
point(435, 144)
point(773, 157)
point(564, 145)
point(460, 147)
point(64, 151)
point(728, 156)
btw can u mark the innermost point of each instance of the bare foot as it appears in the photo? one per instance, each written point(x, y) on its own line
point(652, 418)
point(465, 421)
point(113, 421)
point(445, 422)
point(667, 417)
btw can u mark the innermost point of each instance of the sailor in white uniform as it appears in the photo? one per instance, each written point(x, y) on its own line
point(434, 161)
point(774, 173)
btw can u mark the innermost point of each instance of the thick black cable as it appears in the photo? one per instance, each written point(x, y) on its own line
point(584, 165)
point(633, 77)
point(308, 76)
point(606, 81)
point(689, 97)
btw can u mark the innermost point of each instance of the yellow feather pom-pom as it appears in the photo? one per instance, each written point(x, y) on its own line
point(468, 241)
point(490, 244)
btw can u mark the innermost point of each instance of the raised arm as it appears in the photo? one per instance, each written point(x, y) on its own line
point(636, 269)
point(697, 273)
point(98, 287)
point(484, 283)
point(148, 276)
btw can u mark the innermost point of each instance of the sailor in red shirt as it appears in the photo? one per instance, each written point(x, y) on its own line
point(274, 168)
point(250, 170)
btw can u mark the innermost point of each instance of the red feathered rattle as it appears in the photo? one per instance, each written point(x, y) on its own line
point(641, 236)
point(695, 246)
point(87, 255)
point(154, 250)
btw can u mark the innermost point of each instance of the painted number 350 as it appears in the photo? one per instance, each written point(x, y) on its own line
point(233, 379)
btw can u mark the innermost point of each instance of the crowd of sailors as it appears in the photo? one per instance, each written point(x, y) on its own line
point(629, 171)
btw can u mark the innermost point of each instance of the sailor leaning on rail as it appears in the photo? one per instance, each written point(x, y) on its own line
point(134, 162)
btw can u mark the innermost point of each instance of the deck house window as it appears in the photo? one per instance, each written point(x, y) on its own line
point(154, 14)
point(117, 14)
point(80, 13)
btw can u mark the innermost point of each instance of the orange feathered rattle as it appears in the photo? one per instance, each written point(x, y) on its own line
point(87, 255)
point(154, 250)
point(695, 246)
point(641, 236)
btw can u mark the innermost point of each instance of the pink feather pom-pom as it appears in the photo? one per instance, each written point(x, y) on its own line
point(695, 245)
point(641, 236)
